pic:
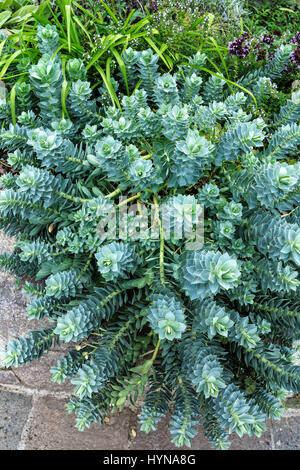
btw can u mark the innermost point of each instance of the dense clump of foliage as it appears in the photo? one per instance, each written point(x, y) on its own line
point(263, 47)
point(282, 16)
point(206, 331)
point(187, 26)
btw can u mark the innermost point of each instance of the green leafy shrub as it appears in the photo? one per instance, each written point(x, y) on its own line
point(189, 26)
point(208, 328)
point(91, 31)
point(252, 51)
point(285, 15)
point(13, 13)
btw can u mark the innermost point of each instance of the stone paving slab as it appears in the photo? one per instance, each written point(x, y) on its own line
point(161, 440)
point(14, 323)
point(13, 319)
point(14, 411)
point(287, 433)
point(6, 243)
point(8, 377)
point(42, 423)
point(37, 374)
point(53, 429)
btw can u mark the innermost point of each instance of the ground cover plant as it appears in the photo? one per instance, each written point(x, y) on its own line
point(98, 33)
point(281, 15)
point(98, 36)
point(205, 330)
point(14, 13)
point(195, 24)
point(248, 49)
point(266, 27)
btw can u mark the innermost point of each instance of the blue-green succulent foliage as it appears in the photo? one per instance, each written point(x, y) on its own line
point(209, 330)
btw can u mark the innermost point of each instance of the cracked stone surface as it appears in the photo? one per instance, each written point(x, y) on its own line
point(8, 377)
point(53, 429)
point(161, 440)
point(13, 319)
point(14, 323)
point(37, 375)
point(14, 411)
point(6, 243)
point(287, 433)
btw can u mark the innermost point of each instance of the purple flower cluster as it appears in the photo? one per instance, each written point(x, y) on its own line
point(261, 55)
point(240, 47)
point(295, 57)
point(264, 46)
point(267, 38)
point(296, 39)
point(154, 6)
